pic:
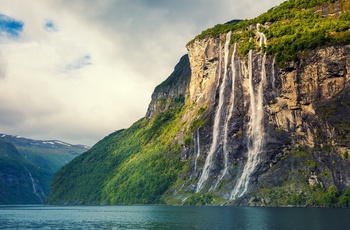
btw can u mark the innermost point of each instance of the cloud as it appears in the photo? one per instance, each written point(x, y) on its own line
point(79, 63)
point(80, 70)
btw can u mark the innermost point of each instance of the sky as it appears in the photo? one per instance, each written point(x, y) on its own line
point(78, 70)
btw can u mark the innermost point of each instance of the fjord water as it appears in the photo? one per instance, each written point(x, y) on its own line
point(169, 217)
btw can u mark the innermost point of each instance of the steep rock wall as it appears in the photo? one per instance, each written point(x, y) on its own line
point(299, 111)
point(172, 92)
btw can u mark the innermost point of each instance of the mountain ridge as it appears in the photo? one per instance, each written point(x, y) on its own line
point(27, 167)
point(247, 127)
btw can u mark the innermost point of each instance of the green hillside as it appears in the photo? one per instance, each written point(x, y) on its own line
point(148, 162)
point(142, 156)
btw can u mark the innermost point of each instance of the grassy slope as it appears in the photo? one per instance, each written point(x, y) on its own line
point(139, 164)
point(135, 165)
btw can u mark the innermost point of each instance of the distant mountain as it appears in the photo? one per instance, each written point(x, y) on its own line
point(27, 167)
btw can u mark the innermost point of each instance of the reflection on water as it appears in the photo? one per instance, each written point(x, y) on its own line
point(165, 217)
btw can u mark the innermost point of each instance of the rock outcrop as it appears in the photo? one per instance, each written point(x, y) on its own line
point(172, 92)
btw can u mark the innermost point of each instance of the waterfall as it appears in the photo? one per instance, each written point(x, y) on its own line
point(230, 113)
point(255, 133)
point(273, 74)
point(216, 128)
point(35, 191)
point(198, 151)
point(262, 37)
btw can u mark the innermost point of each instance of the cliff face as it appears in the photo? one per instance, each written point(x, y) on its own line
point(172, 92)
point(257, 113)
point(266, 126)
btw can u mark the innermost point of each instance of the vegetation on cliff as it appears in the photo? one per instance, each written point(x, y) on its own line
point(292, 28)
point(154, 161)
point(132, 166)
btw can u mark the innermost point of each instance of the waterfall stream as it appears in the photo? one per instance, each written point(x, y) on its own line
point(273, 75)
point(230, 113)
point(35, 191)
point(198, 151)
point(216, 128)
point(255, 133)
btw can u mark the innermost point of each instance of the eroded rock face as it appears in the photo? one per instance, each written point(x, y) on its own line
point(172, 92)
point(304, 105)
point(204, 56)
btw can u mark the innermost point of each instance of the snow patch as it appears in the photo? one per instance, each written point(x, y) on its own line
point(48, 142)
point(62, 143)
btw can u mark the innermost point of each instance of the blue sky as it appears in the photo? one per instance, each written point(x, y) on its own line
point(10, 27)
point(79, 70)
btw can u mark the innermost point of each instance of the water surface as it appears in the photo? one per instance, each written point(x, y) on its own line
point(165, 217)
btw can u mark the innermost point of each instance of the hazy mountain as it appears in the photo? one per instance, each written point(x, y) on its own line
point(27, 167)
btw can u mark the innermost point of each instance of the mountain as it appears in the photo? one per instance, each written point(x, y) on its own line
point(27, 167)
point(257, 113)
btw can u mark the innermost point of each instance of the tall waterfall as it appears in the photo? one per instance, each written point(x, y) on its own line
point(216, 128)
point(230, 113)
point(255, 133)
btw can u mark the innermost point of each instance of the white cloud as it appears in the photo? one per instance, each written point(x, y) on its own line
point(82, 69)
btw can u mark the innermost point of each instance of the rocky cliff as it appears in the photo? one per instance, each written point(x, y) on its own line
point(257, 114)
point(270, 127)
point(172, 92)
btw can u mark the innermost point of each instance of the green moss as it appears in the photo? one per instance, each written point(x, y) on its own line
point(290, 193)
point(188, 141)
point(200, 199)
point(300, 152)
point(299, 194)
point(201, 110)
point(197, 124)
point(344, 199)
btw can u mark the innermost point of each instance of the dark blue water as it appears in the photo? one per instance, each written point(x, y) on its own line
point(164, 217)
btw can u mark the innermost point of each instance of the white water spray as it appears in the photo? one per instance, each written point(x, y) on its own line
point(230, 113)
point(262, 37)
point(198, 151)
point(216, 128)
point(255, 126)
point(273, 75)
